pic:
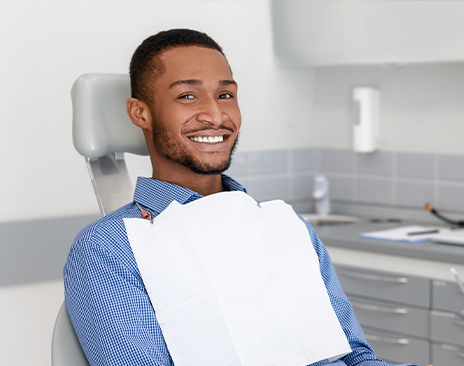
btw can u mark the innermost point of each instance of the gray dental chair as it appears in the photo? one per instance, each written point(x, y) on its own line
point(102, 133)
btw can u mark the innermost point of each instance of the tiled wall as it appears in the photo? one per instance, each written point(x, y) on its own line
point(387, 178)
point(285, 174)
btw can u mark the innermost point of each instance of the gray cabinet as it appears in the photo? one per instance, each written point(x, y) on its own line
point(447, 355)
point(392, 317)
point(447, 296)
point(447, 324)
point(446, 327)
point(321, 33)
point(407, 318)
point(386, 286)
point(394, 347)
point(393, 310)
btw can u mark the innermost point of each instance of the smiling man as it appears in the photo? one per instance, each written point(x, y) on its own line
point(189, 114)
point(184, 98)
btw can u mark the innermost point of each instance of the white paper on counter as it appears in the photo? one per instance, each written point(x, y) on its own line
point(235, 284)
point(403, 233)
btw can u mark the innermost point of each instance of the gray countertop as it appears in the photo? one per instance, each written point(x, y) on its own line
point(347, 235)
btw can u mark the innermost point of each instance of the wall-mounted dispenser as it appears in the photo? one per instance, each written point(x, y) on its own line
point(365, 119)
point(321, 195)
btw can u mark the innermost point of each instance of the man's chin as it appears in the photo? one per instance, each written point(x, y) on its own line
point(205, 169)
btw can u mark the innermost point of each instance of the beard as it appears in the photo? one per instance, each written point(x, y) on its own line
point(172, 150)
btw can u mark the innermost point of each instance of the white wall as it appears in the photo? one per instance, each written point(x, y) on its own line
point(27, 318)
point(421, 106)
point(46, 45)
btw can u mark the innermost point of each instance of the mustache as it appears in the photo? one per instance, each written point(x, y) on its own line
point(206, 128)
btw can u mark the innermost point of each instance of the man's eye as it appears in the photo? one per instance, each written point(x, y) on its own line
point(225, 96)
point(186, 96)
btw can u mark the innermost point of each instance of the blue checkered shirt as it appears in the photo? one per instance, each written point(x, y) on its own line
point(109, 306)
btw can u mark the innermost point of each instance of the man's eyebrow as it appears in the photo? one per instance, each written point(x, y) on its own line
point(196, 82)
point(185, 82)
point(227, 82)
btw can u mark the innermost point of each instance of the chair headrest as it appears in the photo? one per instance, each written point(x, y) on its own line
point(100, 122)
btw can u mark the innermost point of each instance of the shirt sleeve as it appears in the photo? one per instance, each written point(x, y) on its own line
point(362, 353)
point(109, 307)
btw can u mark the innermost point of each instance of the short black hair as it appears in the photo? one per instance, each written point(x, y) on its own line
point(146, 63)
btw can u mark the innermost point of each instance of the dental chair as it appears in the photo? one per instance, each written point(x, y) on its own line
point(102, 133)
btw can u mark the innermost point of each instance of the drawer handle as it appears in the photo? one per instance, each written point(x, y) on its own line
point(372, 277)
point(401, 341)
point(380, 309)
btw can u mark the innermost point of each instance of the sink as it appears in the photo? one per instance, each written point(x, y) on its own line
point(317, 219)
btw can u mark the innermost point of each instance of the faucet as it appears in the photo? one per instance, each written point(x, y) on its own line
point(321, 195)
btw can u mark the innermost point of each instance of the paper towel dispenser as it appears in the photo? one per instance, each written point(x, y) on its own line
point(322, 32)
point(366, 123)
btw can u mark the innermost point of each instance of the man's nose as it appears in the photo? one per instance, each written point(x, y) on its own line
point(211, 112)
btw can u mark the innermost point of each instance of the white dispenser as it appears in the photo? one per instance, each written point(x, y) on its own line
point(365, 119)
point(321, 195)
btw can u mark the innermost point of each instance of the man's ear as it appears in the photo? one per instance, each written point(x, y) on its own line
point(139, 113)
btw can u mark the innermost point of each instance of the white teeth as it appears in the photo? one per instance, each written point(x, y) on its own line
point(208, 139)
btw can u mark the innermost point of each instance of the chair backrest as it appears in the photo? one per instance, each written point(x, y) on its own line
point(102, 133)
point(66, 350)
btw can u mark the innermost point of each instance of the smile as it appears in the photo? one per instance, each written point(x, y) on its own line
point(208, 139)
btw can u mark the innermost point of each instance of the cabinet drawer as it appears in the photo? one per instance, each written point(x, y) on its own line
point(391, 287)
point(447, 296)
point(392, 317)
point(447, 327)
point(396, 348)
point(447, 355)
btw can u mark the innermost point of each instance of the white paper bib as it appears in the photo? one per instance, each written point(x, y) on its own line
point(235, 284)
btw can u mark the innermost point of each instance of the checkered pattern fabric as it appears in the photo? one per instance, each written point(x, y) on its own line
point(109, 306)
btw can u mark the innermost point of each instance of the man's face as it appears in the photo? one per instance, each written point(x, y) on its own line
point(195, 114)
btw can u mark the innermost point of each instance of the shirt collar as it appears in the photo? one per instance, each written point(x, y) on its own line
point(157, 195)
